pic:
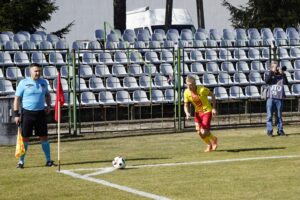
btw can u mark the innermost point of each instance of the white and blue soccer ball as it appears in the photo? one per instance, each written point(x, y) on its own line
point(119, 162)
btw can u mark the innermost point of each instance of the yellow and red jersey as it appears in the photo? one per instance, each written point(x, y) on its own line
point(199, 100)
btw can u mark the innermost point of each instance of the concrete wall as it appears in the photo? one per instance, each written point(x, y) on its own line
point(90, 15)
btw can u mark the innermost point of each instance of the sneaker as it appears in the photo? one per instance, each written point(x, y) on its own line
point(215, 144)
point(281, 133)
point(270, 134)
point(20, 165)
point(50, 163)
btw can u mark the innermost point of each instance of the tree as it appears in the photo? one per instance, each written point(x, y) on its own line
point(27, 15)
point(120, 14)
point(262, 13)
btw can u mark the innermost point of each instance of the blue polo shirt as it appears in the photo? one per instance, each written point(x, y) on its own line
point(33, 93)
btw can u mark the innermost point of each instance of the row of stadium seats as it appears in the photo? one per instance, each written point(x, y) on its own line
point(26, 41)
point(202, 37)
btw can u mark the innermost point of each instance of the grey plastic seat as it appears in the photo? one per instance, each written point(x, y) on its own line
point(295, 89)
point(152, 57)
point(136, 57)
point(197, 68)
point(13, 73)
point(212, 67)
point(184, 69)
point(224, 79)
point(105, 58)
point(106, 98)
point(6, 87)
point(196, 55)
point(287, 91)
point(240, 54)
point(19, 38)
point(66, 71)
point(295, 52)
point(96, 84)
point(240, 78)
point(297, 76)
point(252, 92)
point(130, 83)
point(28, 46)
point(166, 69)
point(85, 71)
point(225, 55)
point(63, 82)
point(140, 97)
point(220, 93)
point(52, 38)
point(242, 66)
point(157, 96)
point(36, 38)
point(257, 66)
point(21, 58)
point(46, 45)
point(39, 57)
point(171, 95)
point(5, 59)
point(211, 55)
point(282, 53)
point(113, 83)
point(88, 99)
point(80, 85)
point(161, 82)
point(89, 58)
point(150, 69)
point(102, 71)
point(228, 67)
point(255, 78)
point(50, 72)
point(146, 82)
point(236, 92)
point(11, 45)
point(120, 57)
point(1, 74)
point(253, 54)
point(100, 34)
point(119, 70)
point(135, 70)
point(167, 56)
point(69, 99)
point(209, 80)
point(287, 64)
point(123, 97)
point(56, 58)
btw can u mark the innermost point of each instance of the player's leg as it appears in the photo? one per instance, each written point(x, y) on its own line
point(279, 122)
point(27, 128)
point(42, 131)
point(200, 132)
point(206, 123)
point(269, 107)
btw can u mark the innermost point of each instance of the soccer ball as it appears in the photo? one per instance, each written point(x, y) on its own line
point(119, 162)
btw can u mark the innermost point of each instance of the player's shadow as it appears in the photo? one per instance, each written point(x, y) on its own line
point(109, 161)
point(252, 149)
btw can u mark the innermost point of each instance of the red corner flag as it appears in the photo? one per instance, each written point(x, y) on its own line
point(59, 97)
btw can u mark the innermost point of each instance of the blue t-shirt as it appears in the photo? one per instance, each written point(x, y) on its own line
point(33, 93)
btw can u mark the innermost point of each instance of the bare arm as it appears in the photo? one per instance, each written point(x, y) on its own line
point(213, 101)
point(16, 107)
point(186, 110)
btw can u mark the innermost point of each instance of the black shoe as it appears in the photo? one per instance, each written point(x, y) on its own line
point(270, 134)
point(281, 133)
point(20, 165)
point(50, 163)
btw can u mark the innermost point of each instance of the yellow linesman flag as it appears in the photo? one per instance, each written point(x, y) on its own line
point(20, 149)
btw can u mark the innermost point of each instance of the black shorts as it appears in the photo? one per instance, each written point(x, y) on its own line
point(36, 120)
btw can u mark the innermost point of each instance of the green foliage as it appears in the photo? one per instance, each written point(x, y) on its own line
point(261, 13)
point(27, 15)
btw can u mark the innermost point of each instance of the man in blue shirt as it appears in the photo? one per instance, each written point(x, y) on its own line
point(276, 79)
point(32, 94)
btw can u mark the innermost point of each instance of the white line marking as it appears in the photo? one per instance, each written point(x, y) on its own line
point(150, 195)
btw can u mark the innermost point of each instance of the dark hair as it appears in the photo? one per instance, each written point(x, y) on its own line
point(35, 65)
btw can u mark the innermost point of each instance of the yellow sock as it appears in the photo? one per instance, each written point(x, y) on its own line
point(206, 139)
point(211, 137)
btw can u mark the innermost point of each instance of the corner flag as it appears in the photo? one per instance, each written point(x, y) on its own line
point(59, 98)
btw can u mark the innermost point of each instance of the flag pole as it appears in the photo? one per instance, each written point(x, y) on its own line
point(58, 136)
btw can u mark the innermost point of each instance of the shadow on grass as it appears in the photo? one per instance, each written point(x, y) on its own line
point(252, 149)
